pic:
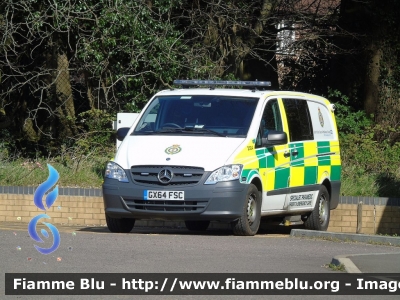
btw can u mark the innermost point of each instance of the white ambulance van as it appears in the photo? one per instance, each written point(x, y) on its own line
point(234, 154)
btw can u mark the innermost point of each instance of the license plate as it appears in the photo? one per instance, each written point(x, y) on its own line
point(163, 195)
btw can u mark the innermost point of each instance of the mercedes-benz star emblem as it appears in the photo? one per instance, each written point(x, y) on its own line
point(165, 176)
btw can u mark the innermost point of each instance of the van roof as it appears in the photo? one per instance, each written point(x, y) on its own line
point(238, 93)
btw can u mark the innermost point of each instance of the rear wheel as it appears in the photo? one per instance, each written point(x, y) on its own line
point(120, 225)
point(319, 217)
point(249, 222)
point(197, 225)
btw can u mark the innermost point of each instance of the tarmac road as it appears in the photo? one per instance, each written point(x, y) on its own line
point(176, 250)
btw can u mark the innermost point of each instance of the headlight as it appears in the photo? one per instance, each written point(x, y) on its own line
point(225, 173)
point(114, 171)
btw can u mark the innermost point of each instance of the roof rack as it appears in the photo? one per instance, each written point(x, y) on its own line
point(253, 84)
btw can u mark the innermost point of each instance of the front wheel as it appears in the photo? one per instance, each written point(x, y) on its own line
point(319, 217)
point(249, 222)
point(120, 225)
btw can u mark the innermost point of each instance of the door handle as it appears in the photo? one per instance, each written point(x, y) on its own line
point(295, 152)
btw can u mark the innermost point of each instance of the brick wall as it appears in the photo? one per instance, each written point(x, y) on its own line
point(85, 207)
point(375, 219)
point(73, 210)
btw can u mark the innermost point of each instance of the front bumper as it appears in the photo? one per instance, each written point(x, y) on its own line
point(220, 202)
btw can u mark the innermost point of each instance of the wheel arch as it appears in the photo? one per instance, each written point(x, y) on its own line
point(328, 186)
point(257, 182)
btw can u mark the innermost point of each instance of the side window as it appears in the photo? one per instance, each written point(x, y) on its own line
point(298, 118)
point(271, 120)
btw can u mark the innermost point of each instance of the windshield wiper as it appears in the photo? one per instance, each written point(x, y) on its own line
point(203, 130)
point(190, 129)
point(168, 130)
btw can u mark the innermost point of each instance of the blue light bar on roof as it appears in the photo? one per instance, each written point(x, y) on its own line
point(222, 82)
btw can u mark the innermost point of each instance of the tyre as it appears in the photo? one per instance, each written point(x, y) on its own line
point(197, 225)
point(120, 225)
point(319, 217)
point(249, 222)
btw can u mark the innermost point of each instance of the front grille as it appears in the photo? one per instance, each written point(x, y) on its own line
point(166, 205)
point(182, 175)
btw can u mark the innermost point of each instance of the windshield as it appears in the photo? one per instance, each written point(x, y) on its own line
point(199, 114)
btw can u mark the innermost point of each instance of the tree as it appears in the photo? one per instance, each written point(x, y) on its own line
point(62, 62)
point(377, 41)
point(34, 64)
point(307, 33)
point(61, 58)
point(238, 36)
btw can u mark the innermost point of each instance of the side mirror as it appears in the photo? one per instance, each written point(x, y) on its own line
point(122, 132)
point(274, 138)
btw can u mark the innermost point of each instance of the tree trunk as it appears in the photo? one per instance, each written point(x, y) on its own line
point(371, 99)
point(66, 109)
point(63, 85)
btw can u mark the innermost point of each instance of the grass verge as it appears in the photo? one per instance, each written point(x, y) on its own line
point(85, 172)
